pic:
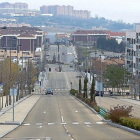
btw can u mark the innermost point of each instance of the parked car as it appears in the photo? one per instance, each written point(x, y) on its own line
point(97, 93)
point(78, 76)
point(49, 91)
point(111, 93)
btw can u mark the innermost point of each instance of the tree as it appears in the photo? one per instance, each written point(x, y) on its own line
point(54, 58)
point(85, 87)
point(114, 76)
point(6, 78)
point(92, 90)
point(80, 85)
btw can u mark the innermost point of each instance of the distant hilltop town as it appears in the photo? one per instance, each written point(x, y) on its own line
point(22, 8)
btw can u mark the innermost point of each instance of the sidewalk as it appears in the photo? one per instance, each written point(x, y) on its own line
point(21, 111)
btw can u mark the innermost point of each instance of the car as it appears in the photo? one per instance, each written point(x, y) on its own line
point(97, 93)
point(49, 91)
point(78, 76)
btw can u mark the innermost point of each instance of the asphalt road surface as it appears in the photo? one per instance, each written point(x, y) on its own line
point(62, 117)
point(66, 53)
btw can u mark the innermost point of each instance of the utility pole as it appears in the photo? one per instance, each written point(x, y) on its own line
point(10, 72)
point(22, 78)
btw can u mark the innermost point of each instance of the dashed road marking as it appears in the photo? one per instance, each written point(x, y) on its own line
point(87, 123)
point(62, 119)
point(47, 138)
point(63, 123)
point(75, 123)
point(38, 123)
point(27, 124)
point(99, 122)
point(50, 123)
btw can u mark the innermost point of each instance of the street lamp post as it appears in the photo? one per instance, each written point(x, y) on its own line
point(22, 78)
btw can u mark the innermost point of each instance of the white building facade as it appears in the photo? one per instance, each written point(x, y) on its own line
point(132, 51)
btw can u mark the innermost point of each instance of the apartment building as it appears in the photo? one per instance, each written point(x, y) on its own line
point(132, 51)
point(65, 10)
point(13, 7)
point(29, 37)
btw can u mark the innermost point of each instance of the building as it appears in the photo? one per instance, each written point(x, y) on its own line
point(64, 10)
point(133, 51)
point(87, 36)
point(13, 8)
point(119, 36)
point(29, 37)
point(83, 14)
point(62, 38)
point(57, 10)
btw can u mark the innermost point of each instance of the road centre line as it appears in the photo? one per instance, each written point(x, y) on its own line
point(62, 119)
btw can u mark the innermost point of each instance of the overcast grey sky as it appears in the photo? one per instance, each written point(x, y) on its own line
point(126, 10)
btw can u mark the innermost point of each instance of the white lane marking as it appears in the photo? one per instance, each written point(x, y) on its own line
point(88, 126)
point(38, 123)
point(62, 119)
point(87, 123)
point(50, 123)
point(27, 124)
point(63, 123)
point(47, 138)
point(99, 122)
point(76, 111)
point(44, 112)
point(99, 117)
point(75, 123)
point(40, 126)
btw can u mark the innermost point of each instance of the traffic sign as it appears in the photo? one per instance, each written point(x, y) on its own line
point(13, 91)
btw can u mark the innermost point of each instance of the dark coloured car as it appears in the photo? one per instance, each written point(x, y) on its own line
point(97, 93)
point(49, 91)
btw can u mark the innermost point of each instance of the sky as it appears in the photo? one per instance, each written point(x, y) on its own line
point(125, 10)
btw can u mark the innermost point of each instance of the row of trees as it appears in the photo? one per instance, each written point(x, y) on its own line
point(21, 78)
point(113, 77)
point(110, 45)
point(92, 89)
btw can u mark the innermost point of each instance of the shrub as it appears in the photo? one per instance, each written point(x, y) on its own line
point(79, 95)
point(73, 91)
point(106, 116)
point(133, 123)
point(119, 111)
point(91, 104)
point(96, 108)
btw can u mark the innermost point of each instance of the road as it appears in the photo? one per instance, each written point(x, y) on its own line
point(62, 117)
point(66, 53)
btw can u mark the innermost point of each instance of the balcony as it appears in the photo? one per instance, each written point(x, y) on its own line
point(138, 53)
point(137, 41)
point(129, 57)
point(138, 66)
point(129, 67)
point(129, 45)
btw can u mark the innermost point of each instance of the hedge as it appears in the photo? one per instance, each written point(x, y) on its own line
point(73, 91)
point(133, 123)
